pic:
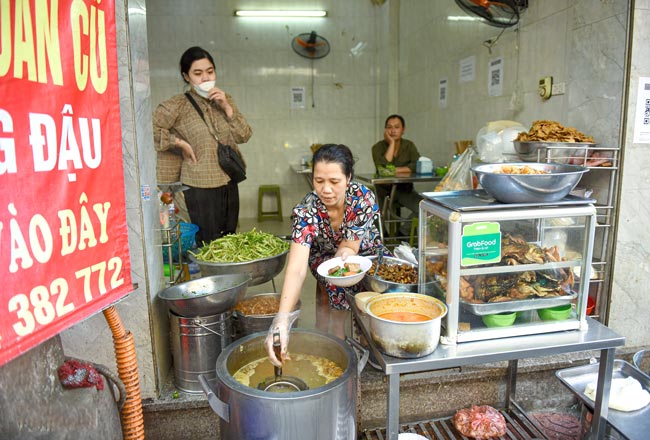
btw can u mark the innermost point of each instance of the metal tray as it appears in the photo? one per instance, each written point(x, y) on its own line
point(560, 152)
point(519, 305)
point(635, 424)
point(479, 199)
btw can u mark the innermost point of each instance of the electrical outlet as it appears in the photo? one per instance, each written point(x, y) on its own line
point(558, 89)
point(545, 87)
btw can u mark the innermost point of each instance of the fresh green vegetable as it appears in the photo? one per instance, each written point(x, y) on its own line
point(387, 170)
point(338, 273)
point(237, 248)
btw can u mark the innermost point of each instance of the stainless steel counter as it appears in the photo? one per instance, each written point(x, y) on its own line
point(596, 337)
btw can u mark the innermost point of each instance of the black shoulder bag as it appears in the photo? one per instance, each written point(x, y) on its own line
point(230, 160)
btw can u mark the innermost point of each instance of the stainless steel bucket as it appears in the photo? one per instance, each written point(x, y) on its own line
point(325, 413)
point(196, 345)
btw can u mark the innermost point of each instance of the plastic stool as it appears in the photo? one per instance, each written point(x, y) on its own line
point(269, 215)
point(413, 239)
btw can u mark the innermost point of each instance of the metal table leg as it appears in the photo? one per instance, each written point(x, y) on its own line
point(511, 385)
point(599, 420)
point(392, 412)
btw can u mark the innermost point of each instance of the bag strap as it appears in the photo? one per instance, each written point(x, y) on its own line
point(200, 112)
point(196, 106)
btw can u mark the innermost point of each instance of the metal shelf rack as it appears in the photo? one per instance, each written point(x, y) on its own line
point(605, 193)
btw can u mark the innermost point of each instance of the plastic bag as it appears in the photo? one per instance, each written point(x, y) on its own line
point(494, 141)
point(459, 176)
point(405, 252)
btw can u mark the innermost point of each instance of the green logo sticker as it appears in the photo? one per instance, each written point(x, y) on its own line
point(481, 244)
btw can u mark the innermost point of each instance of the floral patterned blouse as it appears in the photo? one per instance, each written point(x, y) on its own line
point(312, 228)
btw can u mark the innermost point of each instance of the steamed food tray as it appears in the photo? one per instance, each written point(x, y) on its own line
point(517, 305)
point(634, 425)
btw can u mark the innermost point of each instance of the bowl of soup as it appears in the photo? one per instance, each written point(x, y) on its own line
point(405, 325)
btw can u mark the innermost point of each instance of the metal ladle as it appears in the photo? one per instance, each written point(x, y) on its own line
point(280, 383)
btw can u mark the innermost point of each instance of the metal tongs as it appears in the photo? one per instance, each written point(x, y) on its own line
point(279, 383)
point(380, 261)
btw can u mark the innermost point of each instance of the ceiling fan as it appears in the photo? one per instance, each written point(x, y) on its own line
point(311, 46)
point(499, 13)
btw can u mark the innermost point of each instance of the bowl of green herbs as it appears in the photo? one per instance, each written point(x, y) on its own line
point(256, 253)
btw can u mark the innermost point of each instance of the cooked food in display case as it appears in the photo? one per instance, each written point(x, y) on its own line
point(495, 259)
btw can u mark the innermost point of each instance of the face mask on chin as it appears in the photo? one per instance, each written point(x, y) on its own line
point(203, 88)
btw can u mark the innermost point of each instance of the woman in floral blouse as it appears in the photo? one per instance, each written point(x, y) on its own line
point(335, 220)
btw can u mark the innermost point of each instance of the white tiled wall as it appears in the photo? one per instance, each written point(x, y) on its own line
point(256, 64)
point(579, 43)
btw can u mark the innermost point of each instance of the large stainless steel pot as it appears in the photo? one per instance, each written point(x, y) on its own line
point(246, 413)
point(405, 339)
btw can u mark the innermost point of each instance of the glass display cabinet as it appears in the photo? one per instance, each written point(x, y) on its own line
point(506, 269)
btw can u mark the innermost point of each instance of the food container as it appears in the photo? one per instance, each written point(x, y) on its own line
point(558, 181)
point(205, 296)
point(344, 281)
point(362, 298)
point(559, 313)
point(405, 339)
point(489, 258)
point(246, 324)
point(504, 319)
point(248, 413)
point(558, 152)
point(260, 271)
point(377, 284)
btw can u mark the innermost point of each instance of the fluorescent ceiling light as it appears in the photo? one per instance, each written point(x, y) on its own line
point(462, 18)
point(281, 13)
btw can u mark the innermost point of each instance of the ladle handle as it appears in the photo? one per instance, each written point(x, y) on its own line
point(277, 349)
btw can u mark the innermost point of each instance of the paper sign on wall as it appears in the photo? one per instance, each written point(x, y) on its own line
point(64, 252)
point(467, 67)
point(642, 116)
point(495, 77)
point(297, 97)
point(442, 93)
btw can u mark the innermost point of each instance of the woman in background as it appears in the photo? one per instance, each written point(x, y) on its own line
point(335, 220)
point(212, 198)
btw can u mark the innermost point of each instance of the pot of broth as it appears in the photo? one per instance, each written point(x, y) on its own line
point(405, 325)
point(327, 409)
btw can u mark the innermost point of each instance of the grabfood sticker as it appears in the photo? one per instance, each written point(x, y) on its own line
point(481, 244)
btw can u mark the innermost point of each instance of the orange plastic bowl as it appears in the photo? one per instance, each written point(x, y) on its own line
point(591, 305)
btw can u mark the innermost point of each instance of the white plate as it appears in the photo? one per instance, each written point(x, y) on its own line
point(410, 436)
point(344, 281)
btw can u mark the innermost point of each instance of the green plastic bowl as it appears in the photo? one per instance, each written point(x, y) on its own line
point(499, 319)
point(558, 313)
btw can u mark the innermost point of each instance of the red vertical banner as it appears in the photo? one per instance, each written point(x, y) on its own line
point(63, 236)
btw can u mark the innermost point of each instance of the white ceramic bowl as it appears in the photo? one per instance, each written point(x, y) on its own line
point(344, 281)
